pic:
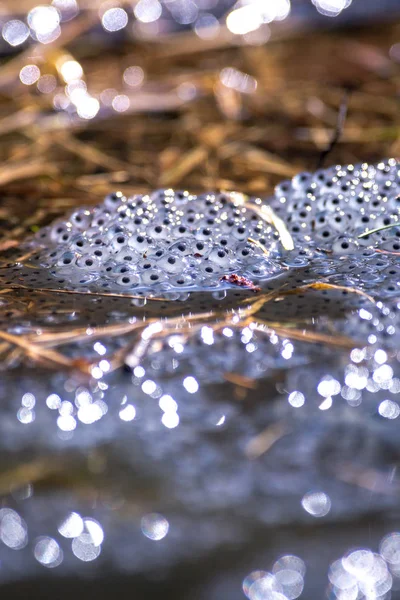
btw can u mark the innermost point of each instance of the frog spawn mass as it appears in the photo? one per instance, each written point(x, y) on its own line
point(171, 241)
point(158, 242)
point(333, 207)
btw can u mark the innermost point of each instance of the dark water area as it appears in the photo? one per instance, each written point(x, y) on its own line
point(225, 443)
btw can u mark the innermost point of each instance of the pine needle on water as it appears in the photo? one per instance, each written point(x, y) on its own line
point(377, 230)
point(267, 214)
point(258, 245)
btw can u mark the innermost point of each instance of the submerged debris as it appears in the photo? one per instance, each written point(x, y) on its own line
point(240, 281)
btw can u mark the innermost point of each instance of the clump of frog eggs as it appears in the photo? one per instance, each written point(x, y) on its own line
point(332, 207)
point(172, 241)
point(164, 241)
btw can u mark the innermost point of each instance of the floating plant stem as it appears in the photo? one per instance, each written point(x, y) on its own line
point(267, 214)
point(304, 335)
point(90, 293)
point(258, 245)
point(377, 230)
point(390, 252)
point(254, 306)
point(36, 352)
point(58, 338)
point(321, 285)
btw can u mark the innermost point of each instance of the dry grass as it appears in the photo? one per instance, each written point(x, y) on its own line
point(220, 138)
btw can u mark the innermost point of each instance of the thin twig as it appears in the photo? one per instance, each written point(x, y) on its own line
point(90, 293)
point(304, 335)
point(267, 214)
point(377, 230)
point(341, 120)
point(258, 245)
point(37, 352)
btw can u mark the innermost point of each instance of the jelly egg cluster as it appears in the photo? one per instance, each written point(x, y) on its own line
point(171, 241)
point(332, 207)
point(163, 241)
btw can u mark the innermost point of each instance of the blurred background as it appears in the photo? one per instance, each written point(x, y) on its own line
point(189, 93)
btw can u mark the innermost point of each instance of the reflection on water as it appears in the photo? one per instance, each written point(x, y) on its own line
point(209, 439)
